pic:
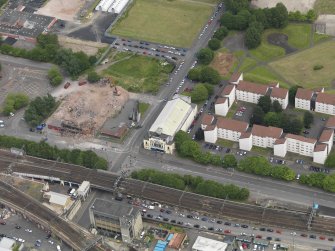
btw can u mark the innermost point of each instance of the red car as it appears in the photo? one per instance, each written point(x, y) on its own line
point(278, 231)
point(67, 85)
point(303, 235)
point(227, 231)
point(258, 237)
point(322, 238)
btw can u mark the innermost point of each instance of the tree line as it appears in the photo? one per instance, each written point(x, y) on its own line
point(43, 150)
point(319, 180)
point(49, 50)
point(195, 184)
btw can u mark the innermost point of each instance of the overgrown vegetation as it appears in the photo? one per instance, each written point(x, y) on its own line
point(43, 150)
point(14, 102)
point(49, 50)
point(93, 76)
point(39, 109)
point(319, 180)
point(55, 77)
point(261, 166)
point(194, 184)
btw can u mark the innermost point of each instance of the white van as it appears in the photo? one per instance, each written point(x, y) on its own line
point(58, 248)
point(142, 234)
point(72, 191)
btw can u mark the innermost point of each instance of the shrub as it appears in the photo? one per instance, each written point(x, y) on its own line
point(317, 67)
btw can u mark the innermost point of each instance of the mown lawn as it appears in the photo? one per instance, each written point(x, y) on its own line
point(263, 75)
point(266, 51)
point(298, 68)
point(299, 35)
point(162, 21)
point(247, 64)
point(139, 73)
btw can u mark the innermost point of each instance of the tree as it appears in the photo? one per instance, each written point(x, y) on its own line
point(199, 93)
point(228, 20)
point(210, 75)
point(276, 106)
point(205, 56)
point(229, 160)
point(55, 77)
point(214, 44)
point(265, 103)
point(44, 40)
point(330, 161)
point(190, 148)
point(308, 119)
point(242, 20)
point(257, 116)
point(329, 183)
point(291, 94)
point(236, 5)
point(194, 74)
point(39, 109)
point(179, 138)
point(210, 89)
point(279, 16)
point(259, 16)
point(311, 15)
point(221, 33)
point(295, 126)
point(272, 119)
point(93, 77)
point(253, 37)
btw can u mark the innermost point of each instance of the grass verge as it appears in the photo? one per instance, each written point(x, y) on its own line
point(143, 107)
point(247, 64)
point(224, 143)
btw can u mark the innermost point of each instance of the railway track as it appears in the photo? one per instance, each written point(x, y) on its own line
point(73, 236)
point(227, 209)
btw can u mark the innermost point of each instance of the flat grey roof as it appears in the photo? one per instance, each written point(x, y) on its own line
point(23, 23)
point(113, 209)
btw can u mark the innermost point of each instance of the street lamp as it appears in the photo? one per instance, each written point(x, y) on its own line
point(293, 239)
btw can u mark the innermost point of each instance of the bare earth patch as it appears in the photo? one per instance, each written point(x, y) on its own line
point(223, 62)
point(88, 106)
point(89, 47)
point(301, 5)
point(61, 9)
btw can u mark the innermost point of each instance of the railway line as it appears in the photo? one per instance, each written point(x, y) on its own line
point(72, 235)
point(228, 209)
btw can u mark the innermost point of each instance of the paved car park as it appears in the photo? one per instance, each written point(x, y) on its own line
point(150, 49)
point(28, 233)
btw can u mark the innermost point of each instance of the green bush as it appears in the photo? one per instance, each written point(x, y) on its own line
point(194, 184)
point(43, 150)
point(55, 77)
point(93, 77)
point(317, 67)
point(14, 102)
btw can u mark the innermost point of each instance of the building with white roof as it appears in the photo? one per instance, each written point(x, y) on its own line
point(58, 199)
point(113, 6)
point(206, 244)
point(177, 114)
point(7, 244)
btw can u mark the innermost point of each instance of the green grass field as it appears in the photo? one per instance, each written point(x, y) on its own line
point(143, 107)
point(324, 6)
point(263, 75)
point(266, 51)
point(298, 68)
point(139, 73)
point(247, 64)
point(299, 35)
point(162, 21)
